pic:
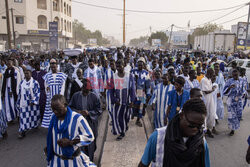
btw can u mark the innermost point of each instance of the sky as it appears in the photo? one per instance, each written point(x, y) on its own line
point(109, 22)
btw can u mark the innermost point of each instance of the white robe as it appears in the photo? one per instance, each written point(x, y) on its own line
point(206, 85)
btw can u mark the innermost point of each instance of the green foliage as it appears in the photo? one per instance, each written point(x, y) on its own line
point(80, 33)
point(137, 42)
point(159, 35)
point(207, 28)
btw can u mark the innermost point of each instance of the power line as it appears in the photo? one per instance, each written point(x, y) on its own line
point(157, 12)
point(218, 17)
point(233, 19)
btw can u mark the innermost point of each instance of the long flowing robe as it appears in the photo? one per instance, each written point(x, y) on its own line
point(91, 103)
point(29, 92)
point(108, 77)
point(95, 78)
point(160, 98)
point(38, 75)
point(142, 81)
point(10, 101)
point(206, 85)
point(54, 84)
point(121, 96)
point(77, 128)
point(3, 119)
point(234, 101)
point(220, 106)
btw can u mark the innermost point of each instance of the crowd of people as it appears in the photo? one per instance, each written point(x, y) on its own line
point(67, 94)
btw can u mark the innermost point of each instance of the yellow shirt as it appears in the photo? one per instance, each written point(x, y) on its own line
point(199, 78)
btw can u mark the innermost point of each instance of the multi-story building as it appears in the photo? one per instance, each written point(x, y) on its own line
point(31, 22)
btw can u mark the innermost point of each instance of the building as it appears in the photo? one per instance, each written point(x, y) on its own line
point(31, 22)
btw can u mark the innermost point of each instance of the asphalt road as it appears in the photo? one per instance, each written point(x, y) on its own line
point(224, 150)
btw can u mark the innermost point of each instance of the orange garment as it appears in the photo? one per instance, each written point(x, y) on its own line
point(199, 78)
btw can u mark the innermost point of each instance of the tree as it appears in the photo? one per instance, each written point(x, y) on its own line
point(137, 42)
point(80, 33)
point(207, 28)
point(159, 35)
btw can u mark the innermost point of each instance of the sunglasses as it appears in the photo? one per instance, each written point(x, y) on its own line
point(192, 125)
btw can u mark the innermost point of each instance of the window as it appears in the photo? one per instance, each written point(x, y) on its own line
point(19, 1)
point(42, 22)
point(19, 20)
point(56, 5)
point(42, 4)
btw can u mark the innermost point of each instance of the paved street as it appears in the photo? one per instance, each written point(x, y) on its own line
point(224, 150)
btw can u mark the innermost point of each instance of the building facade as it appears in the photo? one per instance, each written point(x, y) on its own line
point(31, 22)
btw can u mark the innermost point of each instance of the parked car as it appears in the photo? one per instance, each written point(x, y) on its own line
point(243, 63)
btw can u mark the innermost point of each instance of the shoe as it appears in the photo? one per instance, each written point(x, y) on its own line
point(138, 123)
point(5, 135)
point(21, 135)
point(217, 122)
point(214, 131)
point(231, 133)
point(120, 137)
point(209, 134)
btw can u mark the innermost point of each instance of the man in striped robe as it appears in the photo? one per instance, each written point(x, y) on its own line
point(3, 119)
point(108, 77)
point(160, 99)
point(28, 104)
point(54, 84)
point(68, 132)
point(11, 80)
point(94, 75)
point(122, 97)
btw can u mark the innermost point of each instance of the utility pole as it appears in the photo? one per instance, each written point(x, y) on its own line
point(13, 28)
point(247, 25)
point(8, 24)
point(170, 36)
point(124, 23)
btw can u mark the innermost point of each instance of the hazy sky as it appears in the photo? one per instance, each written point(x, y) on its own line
point(109, 22)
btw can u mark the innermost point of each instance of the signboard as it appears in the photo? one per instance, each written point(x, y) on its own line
point(92, 41)
point(38, 32)
point(53, 35)
point(242, 35)
point(156, 42)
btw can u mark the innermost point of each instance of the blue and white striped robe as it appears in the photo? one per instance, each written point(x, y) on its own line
point(108, 86)
point(143, 90)
point(53, 86)
point(95, 78)
point(29, 115)
point(9, 102)
point(3, 119)
point(78, 127)
point(124, 93)
point(160, 99)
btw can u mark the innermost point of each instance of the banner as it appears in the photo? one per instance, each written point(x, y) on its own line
point(92, 41)
point(156, 42)
point(242, 35)
point(53, 35)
